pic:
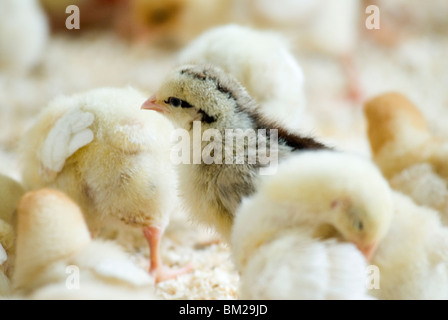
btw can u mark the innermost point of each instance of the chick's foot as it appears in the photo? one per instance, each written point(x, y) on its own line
point(161, 273)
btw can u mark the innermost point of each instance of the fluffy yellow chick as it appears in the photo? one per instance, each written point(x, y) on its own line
point(172, 22)
point(413, 160)
point(413, 256)
point(56, 258)
point(298, 236)
point(204, 100)
point(10, 193)
point(23, 35)
point(111, 158)
point(262, 62)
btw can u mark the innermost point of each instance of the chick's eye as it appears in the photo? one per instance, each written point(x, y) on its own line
point(359, 225)
point(175, 102)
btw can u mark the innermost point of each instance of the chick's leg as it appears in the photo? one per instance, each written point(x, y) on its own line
point(354, 90)
point(153, 235)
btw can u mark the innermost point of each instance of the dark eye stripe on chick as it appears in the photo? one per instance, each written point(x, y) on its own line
point(206, 118)
point(176, 102)
point(244, 103)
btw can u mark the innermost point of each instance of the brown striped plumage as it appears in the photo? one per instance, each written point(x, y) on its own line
point(214, 191)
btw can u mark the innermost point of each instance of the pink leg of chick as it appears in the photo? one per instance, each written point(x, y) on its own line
point(153, 235)
point(354, 90)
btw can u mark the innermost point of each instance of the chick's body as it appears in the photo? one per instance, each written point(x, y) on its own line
point(106, 154)
point(302, 235)
point(330, 271)
point(213, 107)
point(56, 258)
point(263, 64)
point(124, 172)
point(412, 159)
point(413, 256)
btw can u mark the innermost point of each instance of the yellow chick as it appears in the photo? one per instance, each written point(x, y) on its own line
point(56, 258)
point(302, 235)
point(23, 35)
point(413, 256)
point(262, 62)
point(111, 158)
point(412, 159)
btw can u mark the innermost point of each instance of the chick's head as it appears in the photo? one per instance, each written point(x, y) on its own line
point(342, 195)
point(203, 93)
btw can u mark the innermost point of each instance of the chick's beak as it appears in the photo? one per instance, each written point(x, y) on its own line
point(367, 251)
point(151, 104)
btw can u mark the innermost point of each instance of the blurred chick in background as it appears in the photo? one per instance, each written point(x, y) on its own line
point(326, 26)
point(173, 22)
point(56, 258)
point(209, 96)
point(23, 35)
point(403, 19)
point(145, 20)
point(111, 158)
point(410, 156)
point(263, 64)
point(164, 22)
point(302, 234)
point(413, 256)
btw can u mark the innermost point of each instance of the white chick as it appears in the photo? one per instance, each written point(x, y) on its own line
point(23, 35)
point(413, 160)
point(208, 97)
point(413, 256)
point(327, 26)
point(262, 63)
point(298, 236)
point(111, 158)
point(56, 258)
